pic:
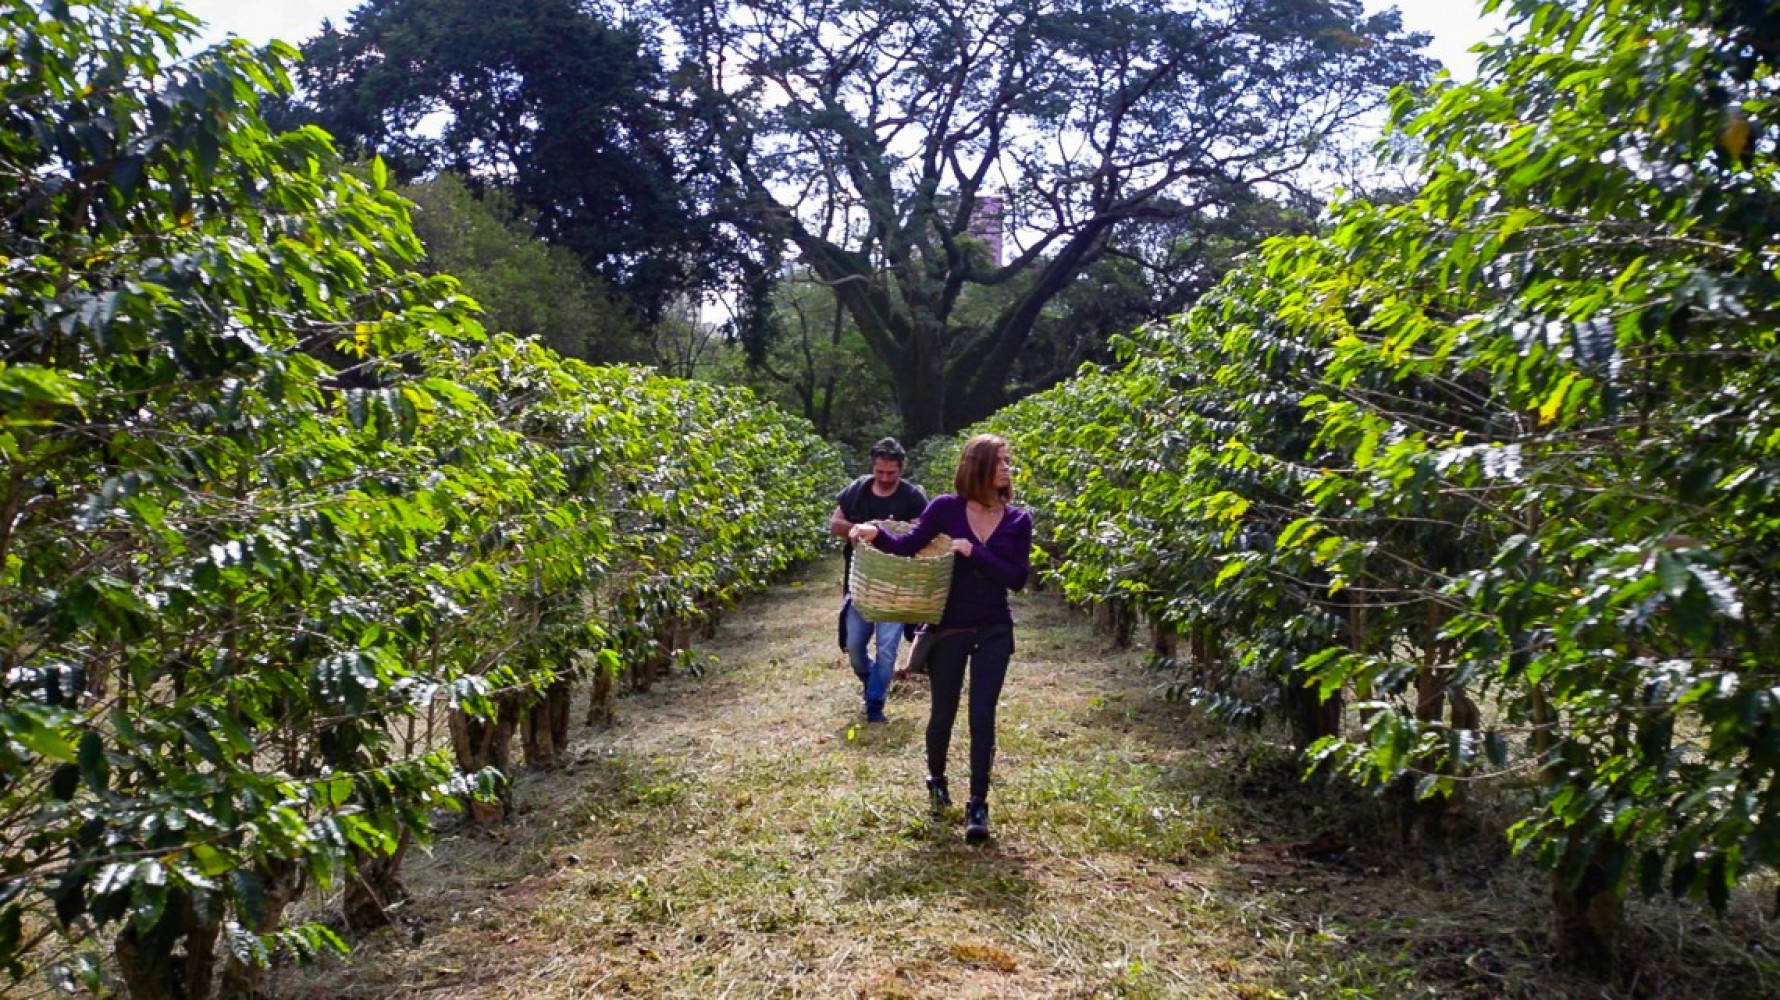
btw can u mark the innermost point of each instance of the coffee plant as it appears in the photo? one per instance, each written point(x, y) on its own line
point(1494, 461)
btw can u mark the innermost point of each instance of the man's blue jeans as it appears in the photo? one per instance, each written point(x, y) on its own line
point(875, 671)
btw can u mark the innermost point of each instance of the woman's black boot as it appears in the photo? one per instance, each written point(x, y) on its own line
point(976, 821)
point(937, 796)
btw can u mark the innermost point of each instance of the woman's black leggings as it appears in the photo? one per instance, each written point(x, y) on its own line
point(987, 650)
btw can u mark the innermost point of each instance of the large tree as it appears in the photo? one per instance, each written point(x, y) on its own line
point(877, 137)
point(554, 101)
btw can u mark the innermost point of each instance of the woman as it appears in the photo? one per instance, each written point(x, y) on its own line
point(992, 540)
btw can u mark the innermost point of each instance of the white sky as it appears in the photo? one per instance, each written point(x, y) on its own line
point(1455, 24)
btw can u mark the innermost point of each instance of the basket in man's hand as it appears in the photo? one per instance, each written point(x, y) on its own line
point(912, 589)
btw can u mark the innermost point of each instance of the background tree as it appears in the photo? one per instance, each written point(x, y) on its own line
point(870, 136)
point(553, 101)
point(813, 362)
point(525, 286)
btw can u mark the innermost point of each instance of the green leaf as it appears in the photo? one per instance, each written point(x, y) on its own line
point(336, 792)
point(34, 384)
point(64, 781)
point(210, 860)
point(148, 901)
point(37, 731)
point(1495, 749)
point(94, 769)
point(250, 897)
point(1516, 221)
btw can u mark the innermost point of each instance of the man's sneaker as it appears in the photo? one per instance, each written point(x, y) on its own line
point(976, 821)
point(875, 716)
point(937, 796)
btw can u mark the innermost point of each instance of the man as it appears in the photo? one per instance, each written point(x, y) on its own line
point(883, 495)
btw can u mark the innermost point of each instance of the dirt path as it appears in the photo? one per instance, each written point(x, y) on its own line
point(742, 834)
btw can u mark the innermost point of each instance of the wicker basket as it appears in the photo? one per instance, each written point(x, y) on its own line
point(910, 589)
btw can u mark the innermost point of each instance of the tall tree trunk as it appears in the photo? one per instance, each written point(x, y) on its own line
point(921, 393)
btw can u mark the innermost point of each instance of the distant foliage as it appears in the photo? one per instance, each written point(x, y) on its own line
point(816, 365)
point(274, 503)
point(1499, 463)
point(524, 285)
point(560, 104)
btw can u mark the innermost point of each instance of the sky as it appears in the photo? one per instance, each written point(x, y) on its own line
point(1455, 24)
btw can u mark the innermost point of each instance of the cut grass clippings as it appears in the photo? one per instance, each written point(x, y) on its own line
point(742, 833)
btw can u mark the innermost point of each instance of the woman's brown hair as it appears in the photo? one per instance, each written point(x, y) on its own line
point(975, 478)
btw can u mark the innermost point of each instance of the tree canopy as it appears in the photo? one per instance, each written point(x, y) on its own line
point(889, 144)
point(554, 101)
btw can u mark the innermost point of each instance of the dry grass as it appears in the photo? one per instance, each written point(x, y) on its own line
point(741, 835)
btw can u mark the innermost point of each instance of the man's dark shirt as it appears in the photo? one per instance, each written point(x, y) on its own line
point(860, 504)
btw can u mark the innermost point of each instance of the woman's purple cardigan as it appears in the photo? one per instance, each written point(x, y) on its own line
point(980, 583)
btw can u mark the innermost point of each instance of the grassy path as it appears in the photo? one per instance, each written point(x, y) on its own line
point(740, 834)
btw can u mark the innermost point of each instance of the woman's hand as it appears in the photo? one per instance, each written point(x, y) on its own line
point(863, 533)
point(961, 547)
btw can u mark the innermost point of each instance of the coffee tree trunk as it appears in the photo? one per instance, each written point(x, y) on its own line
point(1429, 817)
point(1587, 910)
point(1164, 640)
point(710, 610)
point(600, 697)
point(1203, 650)
point(544, 729)
point(1311, 717)
point(487, 743)
point(283, 881)
point(175, 959)
point(375, 886)
point(685, 630)
point(647, 661)
point(1115, 618)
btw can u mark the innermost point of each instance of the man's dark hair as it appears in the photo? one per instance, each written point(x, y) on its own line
point(891, 449)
